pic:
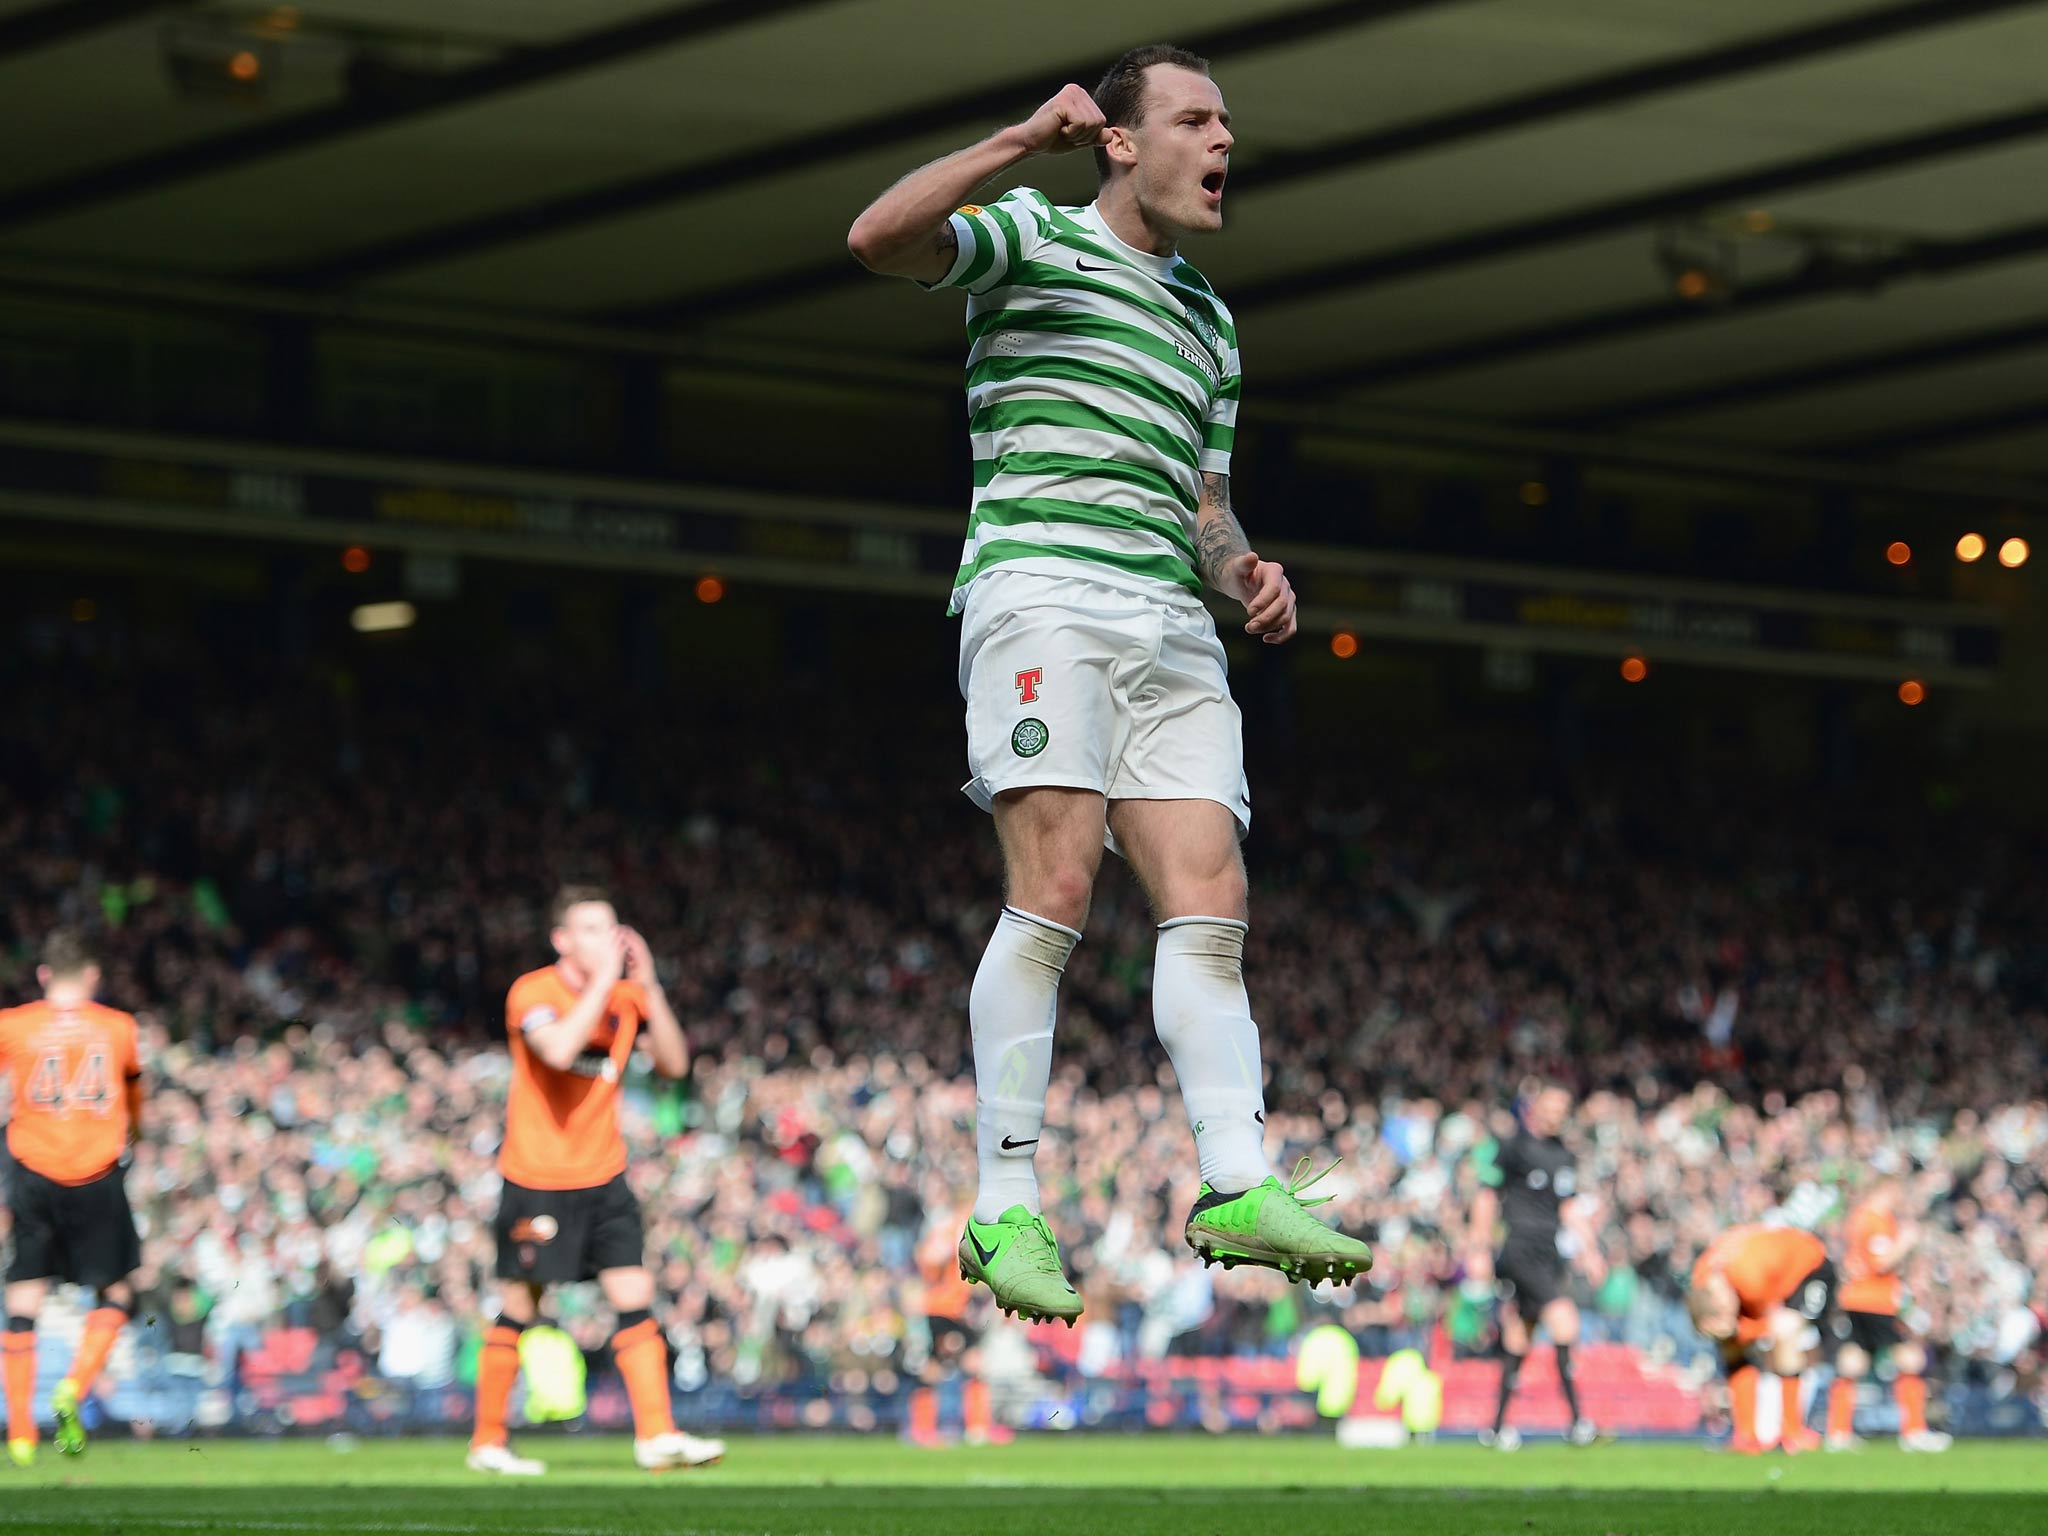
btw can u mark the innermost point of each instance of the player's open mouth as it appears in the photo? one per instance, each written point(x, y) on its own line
point(1212, 186)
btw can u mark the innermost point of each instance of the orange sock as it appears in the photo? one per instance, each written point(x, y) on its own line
point(103, 1325)
point(1912, 1395)
point(643, 1360)
point(1842, 1407)
point(974, 1407)
point(497, 1367)
point(21, 1383)
point(924, 1415)
point(1793, 1425)
point(1742, 1401)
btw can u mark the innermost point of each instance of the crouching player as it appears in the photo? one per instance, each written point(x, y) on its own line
point(1762, 1294)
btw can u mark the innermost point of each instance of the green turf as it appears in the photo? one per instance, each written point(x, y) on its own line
point(1140, 1486)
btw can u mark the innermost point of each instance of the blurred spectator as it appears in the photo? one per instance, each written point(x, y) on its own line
point(316, 904)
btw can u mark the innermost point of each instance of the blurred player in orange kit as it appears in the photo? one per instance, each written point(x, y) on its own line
point(1876, 1244)
point(77, 1104)
point(1762, 1293)
point(567, 1214)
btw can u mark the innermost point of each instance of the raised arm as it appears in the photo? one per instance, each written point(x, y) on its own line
point(666, 1045)
point(558, 1042)
point(907, 231)
point(1225, 561)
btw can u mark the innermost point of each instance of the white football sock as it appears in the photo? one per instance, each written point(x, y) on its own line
point(1011, 1009)
point(1204, 1020)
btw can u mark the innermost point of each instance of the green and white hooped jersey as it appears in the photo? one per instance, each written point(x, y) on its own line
point(1102, 381)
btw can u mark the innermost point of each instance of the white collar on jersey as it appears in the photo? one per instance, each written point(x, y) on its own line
point(1159, 266)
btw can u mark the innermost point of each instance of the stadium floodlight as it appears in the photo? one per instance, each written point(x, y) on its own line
point(2012, 554)
point(375, 618)
point(1970, 548)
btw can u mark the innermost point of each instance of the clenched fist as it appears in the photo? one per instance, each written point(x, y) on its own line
point(1071, 120)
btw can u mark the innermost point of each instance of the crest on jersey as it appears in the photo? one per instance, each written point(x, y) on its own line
point(536, 1229)
point(1027, 684)
point(1205, 328)
point(1029, 738)
point(970, 209)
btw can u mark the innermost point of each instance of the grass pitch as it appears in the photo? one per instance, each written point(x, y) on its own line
point(1140, 1486)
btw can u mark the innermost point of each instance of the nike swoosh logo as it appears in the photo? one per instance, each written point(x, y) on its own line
point(1083, 266)
point(981, 1253)
point(1011, 1146)
point(1259, 1115)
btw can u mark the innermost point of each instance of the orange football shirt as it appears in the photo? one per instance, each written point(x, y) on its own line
point(1765, 1265)
point(1866, 1286)
point(72, 1067)
point(562, 1128)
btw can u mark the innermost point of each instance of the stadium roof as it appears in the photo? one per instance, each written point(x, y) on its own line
point(1798, 225)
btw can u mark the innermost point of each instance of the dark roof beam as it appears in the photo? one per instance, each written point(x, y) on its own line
point(44, 26)
point(1758, 388)
point(1615, 88)
point(838, 141)
point(273, 137)
point(1820, 279)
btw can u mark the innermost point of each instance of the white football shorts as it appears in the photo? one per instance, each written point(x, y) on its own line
point(1074, 683)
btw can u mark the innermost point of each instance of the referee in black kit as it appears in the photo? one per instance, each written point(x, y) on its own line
point(1528, 1200)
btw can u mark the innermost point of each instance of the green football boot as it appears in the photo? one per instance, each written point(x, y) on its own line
point(1269, 1224)
point(1016, 1258)
point(70, 1435)
point(22, 1452)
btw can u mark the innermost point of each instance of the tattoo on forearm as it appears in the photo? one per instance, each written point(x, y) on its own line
point(1218, 537)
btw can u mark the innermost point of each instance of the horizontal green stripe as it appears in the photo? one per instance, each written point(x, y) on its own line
point(1065, 322)
point(1074, 370)
point(1086, 418)
point(1216, 435)
point(1008, 511)
point(1042, 274)
point(1158, 567)
point(1087, 467)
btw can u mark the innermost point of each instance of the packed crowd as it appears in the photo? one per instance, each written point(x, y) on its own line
point(316, 903)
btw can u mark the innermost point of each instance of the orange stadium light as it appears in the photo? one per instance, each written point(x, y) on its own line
point(710, 589)
point(355, 559)
point(1634, 669)
point(1970, 547)
point(1898, 552)
point(2012, 554)
point(1343, 645)
point(1911, 692)
point(245, 66)
point(1534, 493)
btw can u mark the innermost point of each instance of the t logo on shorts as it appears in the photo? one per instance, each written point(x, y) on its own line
point(1027, 685)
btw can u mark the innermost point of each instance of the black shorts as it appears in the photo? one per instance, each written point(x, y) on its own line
point(1528, 1277)
point(83, 1233)
point(1871, 1332)
point(560, 1236)
point(1814, 1297)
